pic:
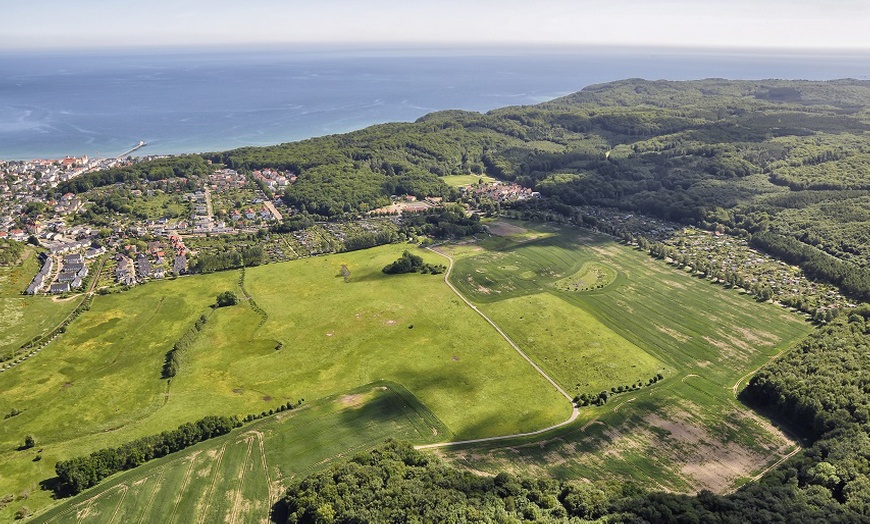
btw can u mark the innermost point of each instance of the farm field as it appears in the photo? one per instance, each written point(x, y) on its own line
point(650, 318)
point(237, 477)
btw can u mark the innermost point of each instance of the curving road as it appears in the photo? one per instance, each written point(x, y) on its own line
point(575, 412)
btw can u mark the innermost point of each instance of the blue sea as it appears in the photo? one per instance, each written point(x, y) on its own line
point(101, 103)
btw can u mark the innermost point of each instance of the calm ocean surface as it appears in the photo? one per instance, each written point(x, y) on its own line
point(101, 104)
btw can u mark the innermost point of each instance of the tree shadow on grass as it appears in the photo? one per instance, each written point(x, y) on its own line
point(58, 489)
point(279, 512)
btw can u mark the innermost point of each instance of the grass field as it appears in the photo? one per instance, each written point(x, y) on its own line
point(309, 334)
point(23, 318)
point(99, 384)
point(238, 477)
point(684, 433)
point(407, 328)
point(464, 180)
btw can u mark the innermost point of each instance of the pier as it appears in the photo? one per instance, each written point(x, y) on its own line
point(138, 146)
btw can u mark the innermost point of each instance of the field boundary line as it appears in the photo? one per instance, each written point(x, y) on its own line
point(575, 412)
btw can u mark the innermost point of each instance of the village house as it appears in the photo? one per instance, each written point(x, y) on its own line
point(60, 287)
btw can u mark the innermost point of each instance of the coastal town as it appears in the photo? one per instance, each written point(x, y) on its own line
point(134, 248)
point(125, 234)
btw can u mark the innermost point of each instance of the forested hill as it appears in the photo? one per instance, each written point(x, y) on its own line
point(785, 161)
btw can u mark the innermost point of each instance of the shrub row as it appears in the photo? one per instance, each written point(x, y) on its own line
point(257, 309)
point(586, 399)
point(173, 356)
point(263, 414)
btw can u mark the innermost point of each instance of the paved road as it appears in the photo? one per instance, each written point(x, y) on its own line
point(574, 411)
point(208, 207)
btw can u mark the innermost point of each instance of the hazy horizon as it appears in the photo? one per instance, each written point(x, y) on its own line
point(798, 25)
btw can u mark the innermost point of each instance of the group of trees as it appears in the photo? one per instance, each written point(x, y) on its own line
point(185, 166)
point(226, 298)
point(10, 252)
point(451, 221)
point(229, 259)
point(367, 240)
point(410, 263)
point(395, 483)
point(79, 473)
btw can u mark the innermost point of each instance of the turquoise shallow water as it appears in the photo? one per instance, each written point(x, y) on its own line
point(102, 103)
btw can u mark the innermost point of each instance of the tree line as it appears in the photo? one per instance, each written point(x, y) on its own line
point(79, 473)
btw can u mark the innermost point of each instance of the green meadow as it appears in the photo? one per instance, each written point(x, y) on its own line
point(464, 180)
point(100, 383)
point(303, 332)
point(23, 318)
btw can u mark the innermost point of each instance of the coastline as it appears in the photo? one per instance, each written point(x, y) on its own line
point(187, 101)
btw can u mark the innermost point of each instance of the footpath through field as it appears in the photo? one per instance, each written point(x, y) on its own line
point(575, 412)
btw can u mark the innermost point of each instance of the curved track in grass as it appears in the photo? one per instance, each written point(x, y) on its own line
point(575, 412)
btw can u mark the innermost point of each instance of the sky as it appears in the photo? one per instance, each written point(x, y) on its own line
point(787, 24)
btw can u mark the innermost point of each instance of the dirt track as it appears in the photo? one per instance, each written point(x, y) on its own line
point(574, 411)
